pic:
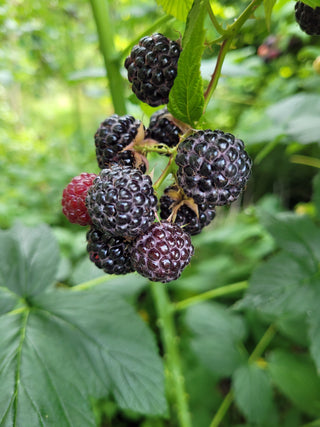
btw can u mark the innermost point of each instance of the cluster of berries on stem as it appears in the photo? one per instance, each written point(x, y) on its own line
point(132, 226)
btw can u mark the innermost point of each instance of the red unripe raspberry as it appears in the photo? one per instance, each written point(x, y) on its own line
point(74, 197)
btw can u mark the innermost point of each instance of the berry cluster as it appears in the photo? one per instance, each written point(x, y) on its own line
point(308, 18)
point(120, 204)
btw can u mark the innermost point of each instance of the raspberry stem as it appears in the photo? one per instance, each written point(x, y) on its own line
point(213, 293)
point(175, 378)
point(214, 20)
point(169, 169)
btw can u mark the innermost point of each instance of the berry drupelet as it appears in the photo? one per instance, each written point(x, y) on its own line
point(114, 141)
point(162, 252)
point(213, 167)
point(74, 199)
point(152, 68)
point(122, 202)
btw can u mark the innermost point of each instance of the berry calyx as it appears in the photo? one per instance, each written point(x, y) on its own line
point(110, 253)
point(115, 139)
point(152, 68)
point(162, 252)
point(122, 202)
point(163, 129)
point(74, 199)
point(213, 167)
point(185, 212)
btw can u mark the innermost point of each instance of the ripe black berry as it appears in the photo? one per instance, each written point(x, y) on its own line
point(308, 18)
point(213, 167)
point(163, 129)
point(112, 138)
point(122, 202)
point(152, 68)
point(162, 252)
point(185, 213)
point(110, 253)
point(74, 199)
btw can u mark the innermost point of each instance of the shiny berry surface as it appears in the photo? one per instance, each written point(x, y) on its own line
point(162, 252)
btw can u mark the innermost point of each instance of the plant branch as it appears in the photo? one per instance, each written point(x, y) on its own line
point(92, 283)
point(217, 72)
point(166, 171)
point(214, 293)
point(169, 337)
point(257, 352)
point(214, 20)
point(101, 13)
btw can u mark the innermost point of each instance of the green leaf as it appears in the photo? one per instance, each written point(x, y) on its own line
point(35, 255)
point(253, 393)
point(296, 234)
point(177, 8)
point(217, 334)
point(295, 376)
point(312, 3)
point(60, 347)
point(268, 6)
point(279, 287)
point(186, 98)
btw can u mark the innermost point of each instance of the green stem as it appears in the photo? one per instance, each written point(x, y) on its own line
point(91, 283)
point(214, 293)
point(245, 15)
point(225, 405)
point(217, 72)
point(163, 20)
point(305, 160)
point(157, 148)
point(257, 352)
point(214, 20)
point(166, 171)
point(169, 337)
point(101, 13)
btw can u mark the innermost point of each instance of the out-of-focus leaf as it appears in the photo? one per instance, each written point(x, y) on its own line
point(253, 393)
point(295, 376)
point(217, 334)
point(268, 6)
point(312, 3)
point(316, 194)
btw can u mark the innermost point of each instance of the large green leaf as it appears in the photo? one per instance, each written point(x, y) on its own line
point(177, 8)
point(296, 377)
point(217, 334)
point(279, 287)
point(186, 98)
point(61, 346)
point(297, 235)
point(29, 259)
point(253, 393)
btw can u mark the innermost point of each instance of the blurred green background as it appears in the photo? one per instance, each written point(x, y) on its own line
point(54, 93)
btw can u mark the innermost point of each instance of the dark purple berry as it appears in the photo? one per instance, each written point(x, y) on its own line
point(122, 202)
point(113, 137)
point(162, 252)
point(213, 167)
point(308, 18)
point(110, 253)
point(152, 68)
point(163, 129)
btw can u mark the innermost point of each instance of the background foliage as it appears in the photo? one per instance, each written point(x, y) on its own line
point(250, 357)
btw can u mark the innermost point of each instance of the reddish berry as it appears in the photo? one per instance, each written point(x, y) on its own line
point(74, 199)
